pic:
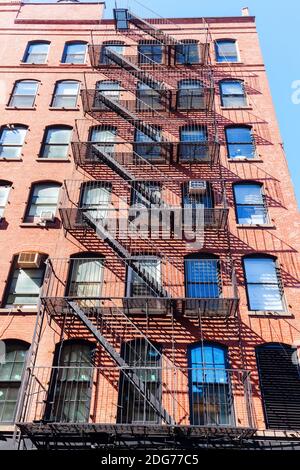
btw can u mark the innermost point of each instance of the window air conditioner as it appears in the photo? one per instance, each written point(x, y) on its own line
point(197, 187)
point(47, 216)
point(29, 260)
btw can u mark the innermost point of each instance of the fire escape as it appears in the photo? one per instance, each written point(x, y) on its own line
point(106, 316)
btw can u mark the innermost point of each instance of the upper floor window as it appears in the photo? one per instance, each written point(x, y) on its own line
point(11, 141)
point(190, 94)
point(56, 142)
point(250, 204)
point(202, 277)
point(226, 50)
point(151, 268)
point(4, 192)
point(95, 197)
point(36, 52)
point(24, 94)
point(188, 52)
point(240, 142)
point(74, 52)
point(109, 88)
point(65, 94)
point(233, 94)
point(193, 143)
point(147, 98)
point(115, 46)
point(263, 283)
point(10, 378)
point(85, 276)
point(103, 138)
point(150, 51)
point(43, 200)
point(145, 146)
point(153, 188)
point(25, 280)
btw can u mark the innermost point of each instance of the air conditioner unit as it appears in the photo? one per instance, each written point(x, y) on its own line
point(197, 187)
point(47, 216)
point(29, 259)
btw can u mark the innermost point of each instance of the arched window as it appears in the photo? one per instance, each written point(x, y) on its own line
point(147, 98)
point(250, 204)
point(116, 46)
point(150, 51)
point(11, 141)
point(65, 94)
point(10, 378)
point(4, 192)
point(233, 94)
point(188, 52)
point(95, 197)
point(240, 142)
point(109, 88)
point(193, 143)
point(36, 52)
point(211, 400)
point(144, 361)
point(263, 283)
point(145, 146)
point(71, 383)
point(103, 138)
point(190, 94)
point(24, 94)
point(42, 204)
point(150, 266)
point(56, 142)
point(85, 277)
point(280, 385)
point(25, 279)
point(226, 50)
point(74, 52)
point(202, 276)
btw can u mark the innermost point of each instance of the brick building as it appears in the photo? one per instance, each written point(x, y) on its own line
point(149, 234)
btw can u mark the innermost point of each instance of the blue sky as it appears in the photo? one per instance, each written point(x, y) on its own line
point(279, 31)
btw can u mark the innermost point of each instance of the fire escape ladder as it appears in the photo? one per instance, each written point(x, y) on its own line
point(155, 286)
point(113, 163)
point(126, 370)
point(136, 72)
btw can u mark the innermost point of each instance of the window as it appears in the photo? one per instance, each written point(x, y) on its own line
point(147, 147)
point(250, 204)
point(4, 192)
point(193, 143)
point(109, 88)
point(103, 138)
point(24, 285)
point(56, 142)
point(233, 94)
point(202, 277)
point(151, 267)
point(85, 277)
point(116, 46)
point(211, 401)
point(24, 94)
point(44, 197)
point(226, 50)
point(190, 94)
point(152, 188)
point(70, 384)
point(280, 385)
point(10, 378)
point(74, 52)
point(263, 282)
point(240, 142)
point(11, 141)
point(65, 94)
point(121, 19)
point(188, 52)
point(144, 361)
point(147, 98)
point(36, 52)
point(95, 199)
point(149, 52)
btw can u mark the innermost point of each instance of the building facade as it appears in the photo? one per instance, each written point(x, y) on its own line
point(149, 233)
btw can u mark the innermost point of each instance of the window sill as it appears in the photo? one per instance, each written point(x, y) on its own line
point(64, 64)
point(19, 309)
point(37, 225)
point(28, 64)
point(18, 108)
point(51, 108)
point(3, 159)
point(228, 62)
point(238, 108)
point(7, 427)
point(270, 313)
point(51, 160)
point(245, 160)
point(256, 226)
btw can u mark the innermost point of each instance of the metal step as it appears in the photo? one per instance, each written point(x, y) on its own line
point(130, 374)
